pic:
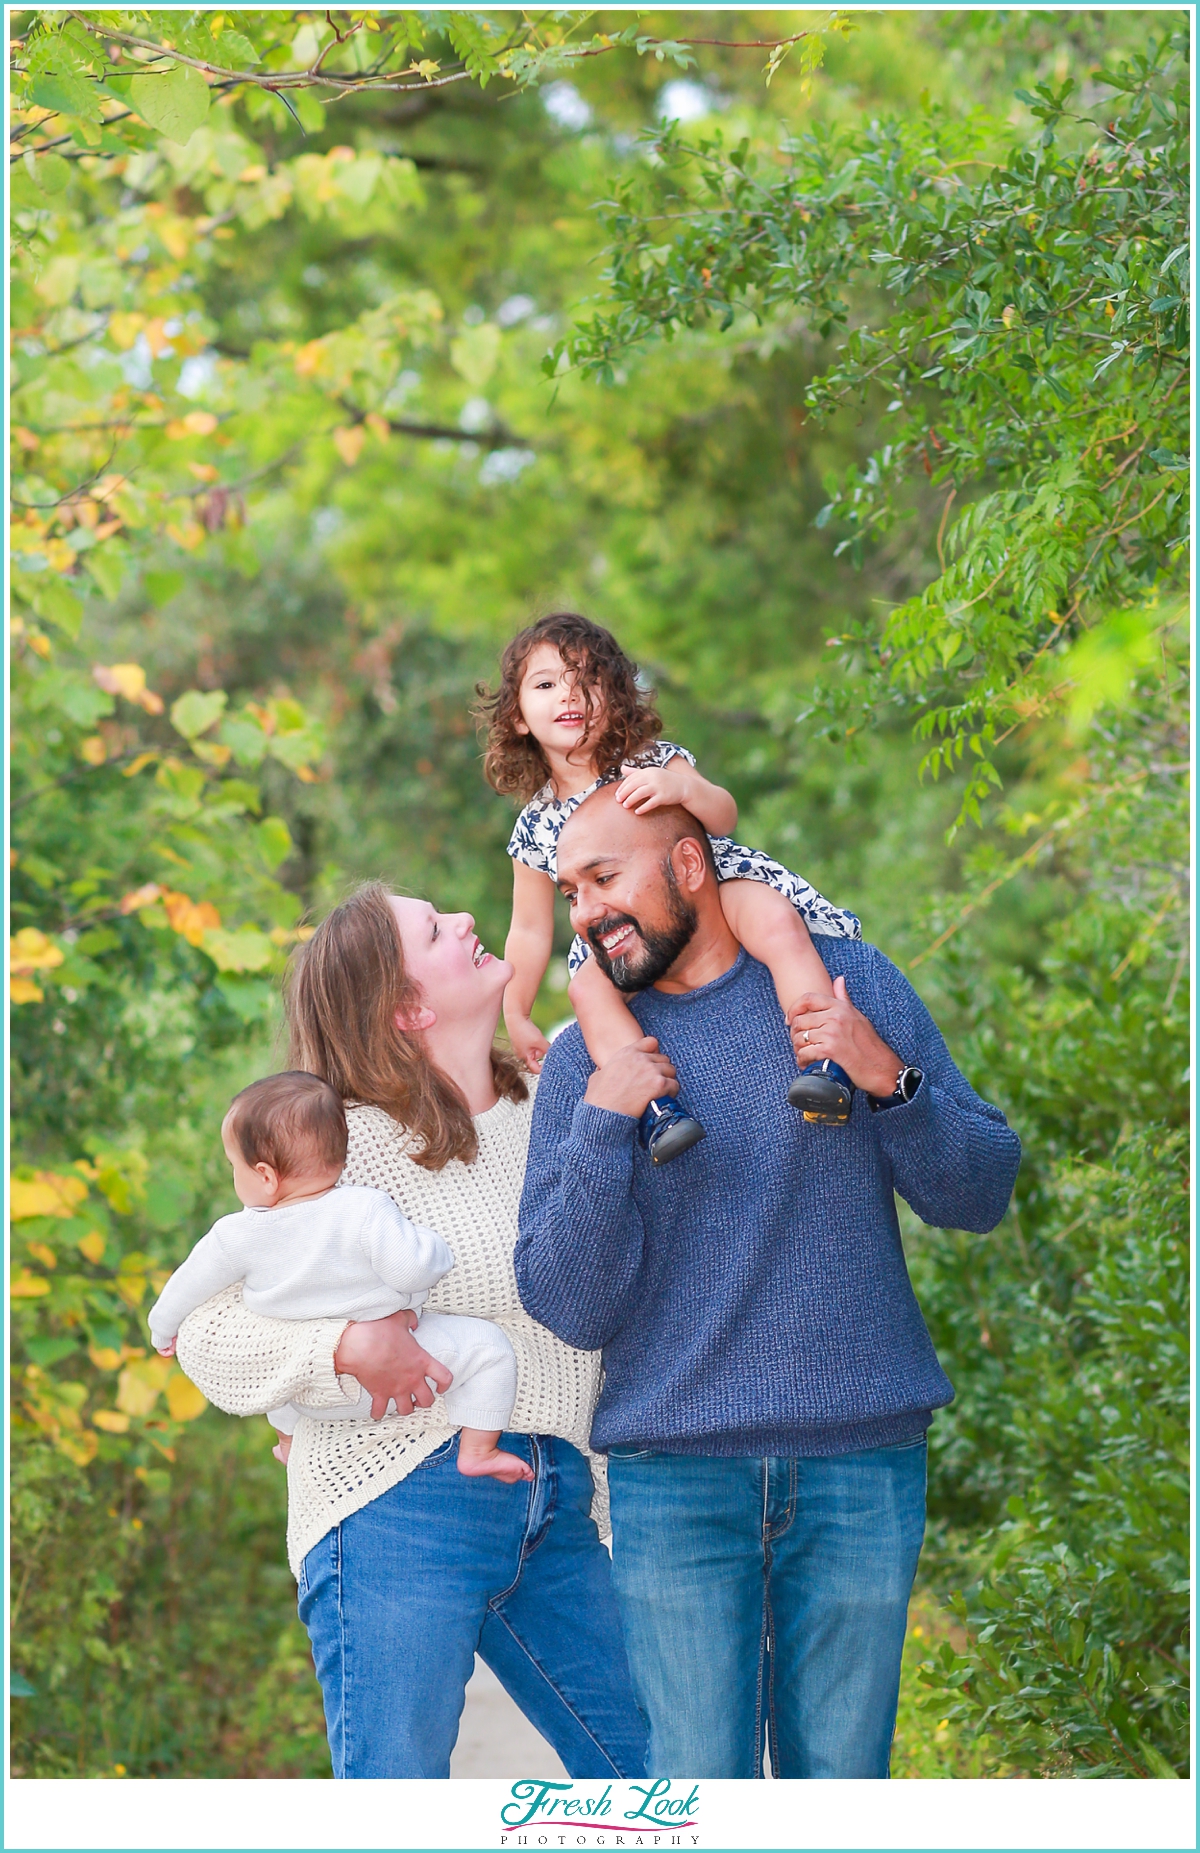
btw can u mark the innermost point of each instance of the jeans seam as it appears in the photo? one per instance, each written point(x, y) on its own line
point(336, 1554)
point(527, 1548)
point(772, 1532)
point(763, 1635)
point(558, 1693)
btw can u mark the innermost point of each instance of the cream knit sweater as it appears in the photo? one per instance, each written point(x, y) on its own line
point(247, 1364)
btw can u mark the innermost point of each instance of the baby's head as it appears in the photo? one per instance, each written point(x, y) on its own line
point(285, 1137)
point(563, 681)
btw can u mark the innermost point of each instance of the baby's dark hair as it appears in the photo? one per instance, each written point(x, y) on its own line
point(514, 762)
point(293, 1122)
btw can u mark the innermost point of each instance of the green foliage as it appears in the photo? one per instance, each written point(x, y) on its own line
point(1028, 329)
point(287, 471)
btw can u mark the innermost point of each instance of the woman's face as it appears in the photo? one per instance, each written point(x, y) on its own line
point(457, 979)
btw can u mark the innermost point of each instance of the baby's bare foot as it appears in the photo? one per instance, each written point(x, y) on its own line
point(508, 1467)
point(282, 1449)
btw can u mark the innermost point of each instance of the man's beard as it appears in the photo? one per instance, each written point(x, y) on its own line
point(657, 952)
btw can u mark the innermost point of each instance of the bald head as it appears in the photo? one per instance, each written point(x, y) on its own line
point(602, 827)
point(642, 890)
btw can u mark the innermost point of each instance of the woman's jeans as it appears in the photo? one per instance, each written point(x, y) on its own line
point(398, 1598)
point(768, 1592)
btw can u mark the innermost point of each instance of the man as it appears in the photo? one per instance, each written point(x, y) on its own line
point(768, 1375)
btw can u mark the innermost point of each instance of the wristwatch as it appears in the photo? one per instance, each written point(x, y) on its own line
point(907, 1083)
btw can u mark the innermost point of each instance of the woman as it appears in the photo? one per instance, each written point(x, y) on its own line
point(406, 1567)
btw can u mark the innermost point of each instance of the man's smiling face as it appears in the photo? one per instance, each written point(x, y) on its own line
point(615, 870)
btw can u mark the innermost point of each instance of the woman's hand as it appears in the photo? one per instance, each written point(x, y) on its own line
point(388, 1362)
point(528, 1041)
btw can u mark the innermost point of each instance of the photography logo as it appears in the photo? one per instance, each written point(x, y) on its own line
point(653, 1813)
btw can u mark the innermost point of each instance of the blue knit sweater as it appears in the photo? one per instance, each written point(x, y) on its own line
point(752, 1296)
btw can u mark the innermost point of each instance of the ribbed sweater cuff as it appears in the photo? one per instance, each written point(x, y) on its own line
point(908, 1123)
point(602, 1135)
point(323, 1388)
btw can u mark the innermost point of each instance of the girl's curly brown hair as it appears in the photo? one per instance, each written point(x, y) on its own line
point(513, 762)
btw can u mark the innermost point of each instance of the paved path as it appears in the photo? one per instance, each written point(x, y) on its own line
point(495, 1739)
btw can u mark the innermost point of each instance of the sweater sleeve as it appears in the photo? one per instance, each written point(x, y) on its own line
point(954, 1158)
point(206, 1271)
point(247, 1364)
point(580, 1247)
point(406, 1256)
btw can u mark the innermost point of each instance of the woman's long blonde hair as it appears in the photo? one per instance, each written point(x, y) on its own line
point(343, 991)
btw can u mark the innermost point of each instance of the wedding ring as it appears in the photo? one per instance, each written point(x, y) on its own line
point(807, 1036)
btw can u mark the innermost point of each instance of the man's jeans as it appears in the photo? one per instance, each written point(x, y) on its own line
point(400, 1595)
point(768, 1592)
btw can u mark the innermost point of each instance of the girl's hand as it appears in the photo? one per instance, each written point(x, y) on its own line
point(528, 1041)
point(167, 1350)
point(648, 788)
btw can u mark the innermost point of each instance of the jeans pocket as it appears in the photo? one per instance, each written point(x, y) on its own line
point(629, 1451)
point(899, 1447)
point(439, 1454)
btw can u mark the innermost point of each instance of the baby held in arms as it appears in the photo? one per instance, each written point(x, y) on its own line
point(305, 1249)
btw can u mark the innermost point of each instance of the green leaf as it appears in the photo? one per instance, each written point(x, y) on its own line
point(247, 950)
point(163, 585)
point(66, 95)
point(107, 568)
point(174, 102)
point(474, 353)
point(274, 841)
point(194, 713)
point(244, 737)
point(55, 602)
point(49, 172)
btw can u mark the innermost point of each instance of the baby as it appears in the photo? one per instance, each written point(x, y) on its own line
point(304, 1249)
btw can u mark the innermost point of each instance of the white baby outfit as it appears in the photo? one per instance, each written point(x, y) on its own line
point(246, 1364)
point(348, 1254)
point(534, 841)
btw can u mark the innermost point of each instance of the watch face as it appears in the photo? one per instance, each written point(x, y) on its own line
point(909, 1082)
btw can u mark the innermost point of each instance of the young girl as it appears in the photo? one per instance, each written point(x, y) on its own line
point(568, 716)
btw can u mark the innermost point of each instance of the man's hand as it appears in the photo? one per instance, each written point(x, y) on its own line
point(388, 1362)
point(830, 1027)
point(632, 1078)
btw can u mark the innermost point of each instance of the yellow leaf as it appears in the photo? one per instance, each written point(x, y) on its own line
point(128, 679)
point(190, 919)
point(348, 441)
point(45, 1194)
point(27, 1286)
point(200, 424)
point(184, 1401)
point(91, 1246)
point(41, 1253)
point(141, 1384)
point(132, 1289)
point(79, 1448)
point(25, 991)
point(124, 328)
point(111, 1421)
point(140, 897)
point(104, 1357)
point(190, 535)
point(204, 472)
point(31, 951)
point(93, 750)
point(310, 359)
point(379, 426)
point(139, 765)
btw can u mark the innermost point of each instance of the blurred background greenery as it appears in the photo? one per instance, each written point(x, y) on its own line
point(199, 327)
